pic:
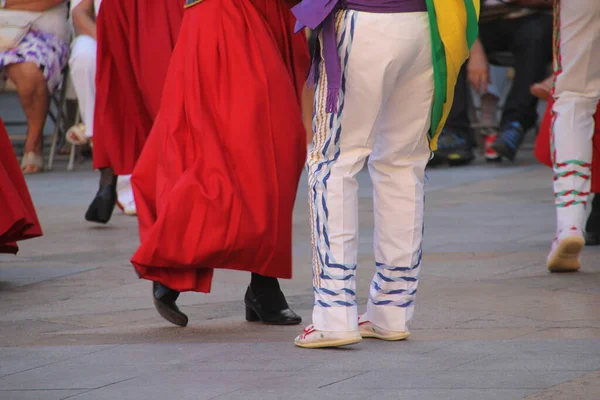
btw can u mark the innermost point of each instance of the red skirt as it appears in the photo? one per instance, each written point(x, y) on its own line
point(542, 144)
point(18, 220)
point(216, 183)
point(135, 42)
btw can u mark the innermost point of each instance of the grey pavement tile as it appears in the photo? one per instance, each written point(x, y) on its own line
point(18, 359)
point(156, 391)
point(494, 320)
point(430, 315)
point(460, 380)
point(13, 277)
point(586, 387)
point(329, 393)
point(181, 384)
point(30, 331)
point(306, 379)
point(376, 355)
point(574, 346)
point(565, 333)
point(555, 355)
point(72, 376)
point(138, 355)
point(286, 356)
point(308, 393)
point(38, 394)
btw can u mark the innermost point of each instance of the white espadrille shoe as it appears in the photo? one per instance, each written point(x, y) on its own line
point(368, 329)
point(315, 339)
point(566, 248)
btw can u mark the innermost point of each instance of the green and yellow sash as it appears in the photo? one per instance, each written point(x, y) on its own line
point(454, 28)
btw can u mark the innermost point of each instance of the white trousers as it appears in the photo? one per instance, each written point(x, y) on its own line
point(384, 114)
point(82, 64)
point(577, 91)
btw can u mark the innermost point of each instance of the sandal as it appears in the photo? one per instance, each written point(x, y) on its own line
point(76, 135)
point(32, 163)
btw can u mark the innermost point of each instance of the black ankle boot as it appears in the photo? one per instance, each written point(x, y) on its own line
point(269, 307)
point(164, 301)
point(101, 208)
point(592, 227)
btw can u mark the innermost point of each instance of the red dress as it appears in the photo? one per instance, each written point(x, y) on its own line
point(542, 144)
point(18, 220)
point(135, 42)
point(216, 183)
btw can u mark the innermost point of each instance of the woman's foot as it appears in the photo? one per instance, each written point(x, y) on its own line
point(76, 135)
point(125, 200)
point(101, 208)
point(164, 301)
point(32, 163)
point(266, 303)
point(316, 339)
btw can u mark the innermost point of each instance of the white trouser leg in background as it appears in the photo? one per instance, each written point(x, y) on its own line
point(384, 113)
point(577, 91)
point(82, 64)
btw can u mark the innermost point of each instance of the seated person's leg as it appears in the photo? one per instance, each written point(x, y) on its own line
point(35, 67)
point(531, 44)
point(488, 121)
point(35, 100)
point(455, 144)
point(83, 73)
point(490, 99)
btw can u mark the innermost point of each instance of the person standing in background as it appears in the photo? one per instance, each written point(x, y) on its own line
point(135, 42)
point(576, 94)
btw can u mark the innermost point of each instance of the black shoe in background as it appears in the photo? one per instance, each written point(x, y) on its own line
point(454, 147)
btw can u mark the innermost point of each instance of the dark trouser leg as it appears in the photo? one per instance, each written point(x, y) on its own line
point(458, 119)
point(530, 40)
point(456, 142)
point(592, 226)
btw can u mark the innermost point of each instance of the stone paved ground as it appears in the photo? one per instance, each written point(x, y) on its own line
point(491, 323)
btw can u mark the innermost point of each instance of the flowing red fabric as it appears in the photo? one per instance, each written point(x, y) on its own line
point(216, 183)
point(135, 42)
point(542, 144)
point(18, 219)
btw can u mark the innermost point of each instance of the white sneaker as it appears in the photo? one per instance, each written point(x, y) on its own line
point(315, 339)
point(125, 199)
point(566, 248)
point(368, 329)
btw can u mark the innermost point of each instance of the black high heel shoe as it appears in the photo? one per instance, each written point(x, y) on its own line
point(164, 301)
point(269, 309)
point(101, 208)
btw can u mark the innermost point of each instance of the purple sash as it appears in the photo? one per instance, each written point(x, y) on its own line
point(321, 14)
